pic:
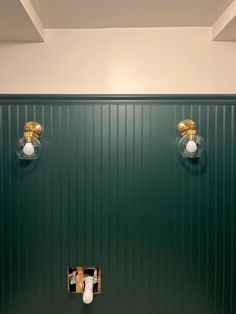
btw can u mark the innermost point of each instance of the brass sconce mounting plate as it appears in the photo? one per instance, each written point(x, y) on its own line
point(187, 126)
point(34, 128)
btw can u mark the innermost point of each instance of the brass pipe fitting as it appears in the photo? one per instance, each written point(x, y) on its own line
point(187, 127)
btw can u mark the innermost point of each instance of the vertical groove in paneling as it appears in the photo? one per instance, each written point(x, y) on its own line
point(110, 189)
point(215, 207)
point(174, 214)
point(102, 167)
point(3, 271)
point(131, 120)
point(60, 190)
point(45, 205)
point(224, 207)
point(18, 248)
point(50, 200)
point(182, 231)
point(201, 205)
point(93, 188)
point(117, 201)
point(110, 200)
point(208, 200)
point(191, 200)
point(232, 209)
point(9, 202)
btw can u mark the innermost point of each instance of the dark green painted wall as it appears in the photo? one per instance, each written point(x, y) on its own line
point(110, 189)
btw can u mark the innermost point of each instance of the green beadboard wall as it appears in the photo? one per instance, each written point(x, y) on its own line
point(110, 189)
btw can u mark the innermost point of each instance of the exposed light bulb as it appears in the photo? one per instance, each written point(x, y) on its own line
point(191, 147)
point(28, 149)
point(88, 290)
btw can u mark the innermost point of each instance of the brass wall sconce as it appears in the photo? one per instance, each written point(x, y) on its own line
point(29, 145)
point(191, 144)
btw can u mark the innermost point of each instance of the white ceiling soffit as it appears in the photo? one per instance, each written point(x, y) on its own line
point(24, 20)
point(225, 26)
point(128, 13)
point(19, 21)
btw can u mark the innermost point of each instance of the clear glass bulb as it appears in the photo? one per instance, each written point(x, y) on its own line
point(191, 147)
point(28, 149)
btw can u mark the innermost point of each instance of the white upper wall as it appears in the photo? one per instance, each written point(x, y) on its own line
point(120, 61)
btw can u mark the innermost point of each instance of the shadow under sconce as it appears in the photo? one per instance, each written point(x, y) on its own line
point(29, 145)
point(191, 144)
point(85, 280)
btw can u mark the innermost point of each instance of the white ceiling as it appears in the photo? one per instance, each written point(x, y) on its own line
point(128, 13)
point(25, 20)
point(18, 21)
